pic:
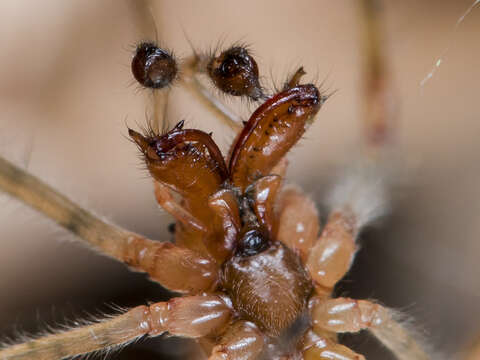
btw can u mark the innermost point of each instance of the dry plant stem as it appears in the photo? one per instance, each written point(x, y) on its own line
point(191, 275)
point(349, 315)
point(378, 112)
point(193, 317)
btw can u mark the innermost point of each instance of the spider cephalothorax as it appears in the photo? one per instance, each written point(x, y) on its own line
point(248, 256)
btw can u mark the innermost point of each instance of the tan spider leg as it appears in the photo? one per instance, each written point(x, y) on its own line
point(192, 317)
point(192, 83)
point(331, 256)
point(243, 340)
point(193, 274)
point(325, 346)
point(349, 315)
point(298, 225)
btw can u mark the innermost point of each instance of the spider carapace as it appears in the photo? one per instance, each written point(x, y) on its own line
point(255, 272)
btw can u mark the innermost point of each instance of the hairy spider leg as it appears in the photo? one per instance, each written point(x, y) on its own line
point(194, 274)
point(191, 316)
point(349, 315)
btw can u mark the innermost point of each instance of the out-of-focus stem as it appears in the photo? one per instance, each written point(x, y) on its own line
point(378, 97)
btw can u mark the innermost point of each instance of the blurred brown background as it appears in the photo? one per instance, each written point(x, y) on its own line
point(66, 93)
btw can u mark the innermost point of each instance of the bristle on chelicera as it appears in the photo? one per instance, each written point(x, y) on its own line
point(362, 190)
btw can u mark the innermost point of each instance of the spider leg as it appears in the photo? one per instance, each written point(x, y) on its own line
point(242, 340)
point(331, 256)
point(193, 274)
point(317, 347)
point(298, 225)
point(348, 315)
point(192, 317)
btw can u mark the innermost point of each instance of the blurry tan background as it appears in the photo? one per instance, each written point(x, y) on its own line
point(66, 93)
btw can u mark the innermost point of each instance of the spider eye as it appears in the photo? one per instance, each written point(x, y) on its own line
point(252, 242)
point(153, 67)
point(235, 72)
point(230, 67)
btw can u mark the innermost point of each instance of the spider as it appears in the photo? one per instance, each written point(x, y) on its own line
point(250, 262)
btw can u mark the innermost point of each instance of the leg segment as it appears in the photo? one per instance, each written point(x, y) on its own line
point(193, 274)
point(318, 347)
point(192, 317)
point(329, 350)
point(332, 255)
point(298, 225)
point(349, 315)
point(324, 345)
point(243, 340)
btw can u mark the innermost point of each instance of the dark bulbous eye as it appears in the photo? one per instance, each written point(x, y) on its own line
point(153, 67)
point(235, 63)
point(252, 242)
point(235, 72)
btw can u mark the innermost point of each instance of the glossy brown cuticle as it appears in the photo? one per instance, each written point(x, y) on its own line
point(235, 72)
point(252, 241)
point(270, 288)
point(153, 67)
point(271, 132)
